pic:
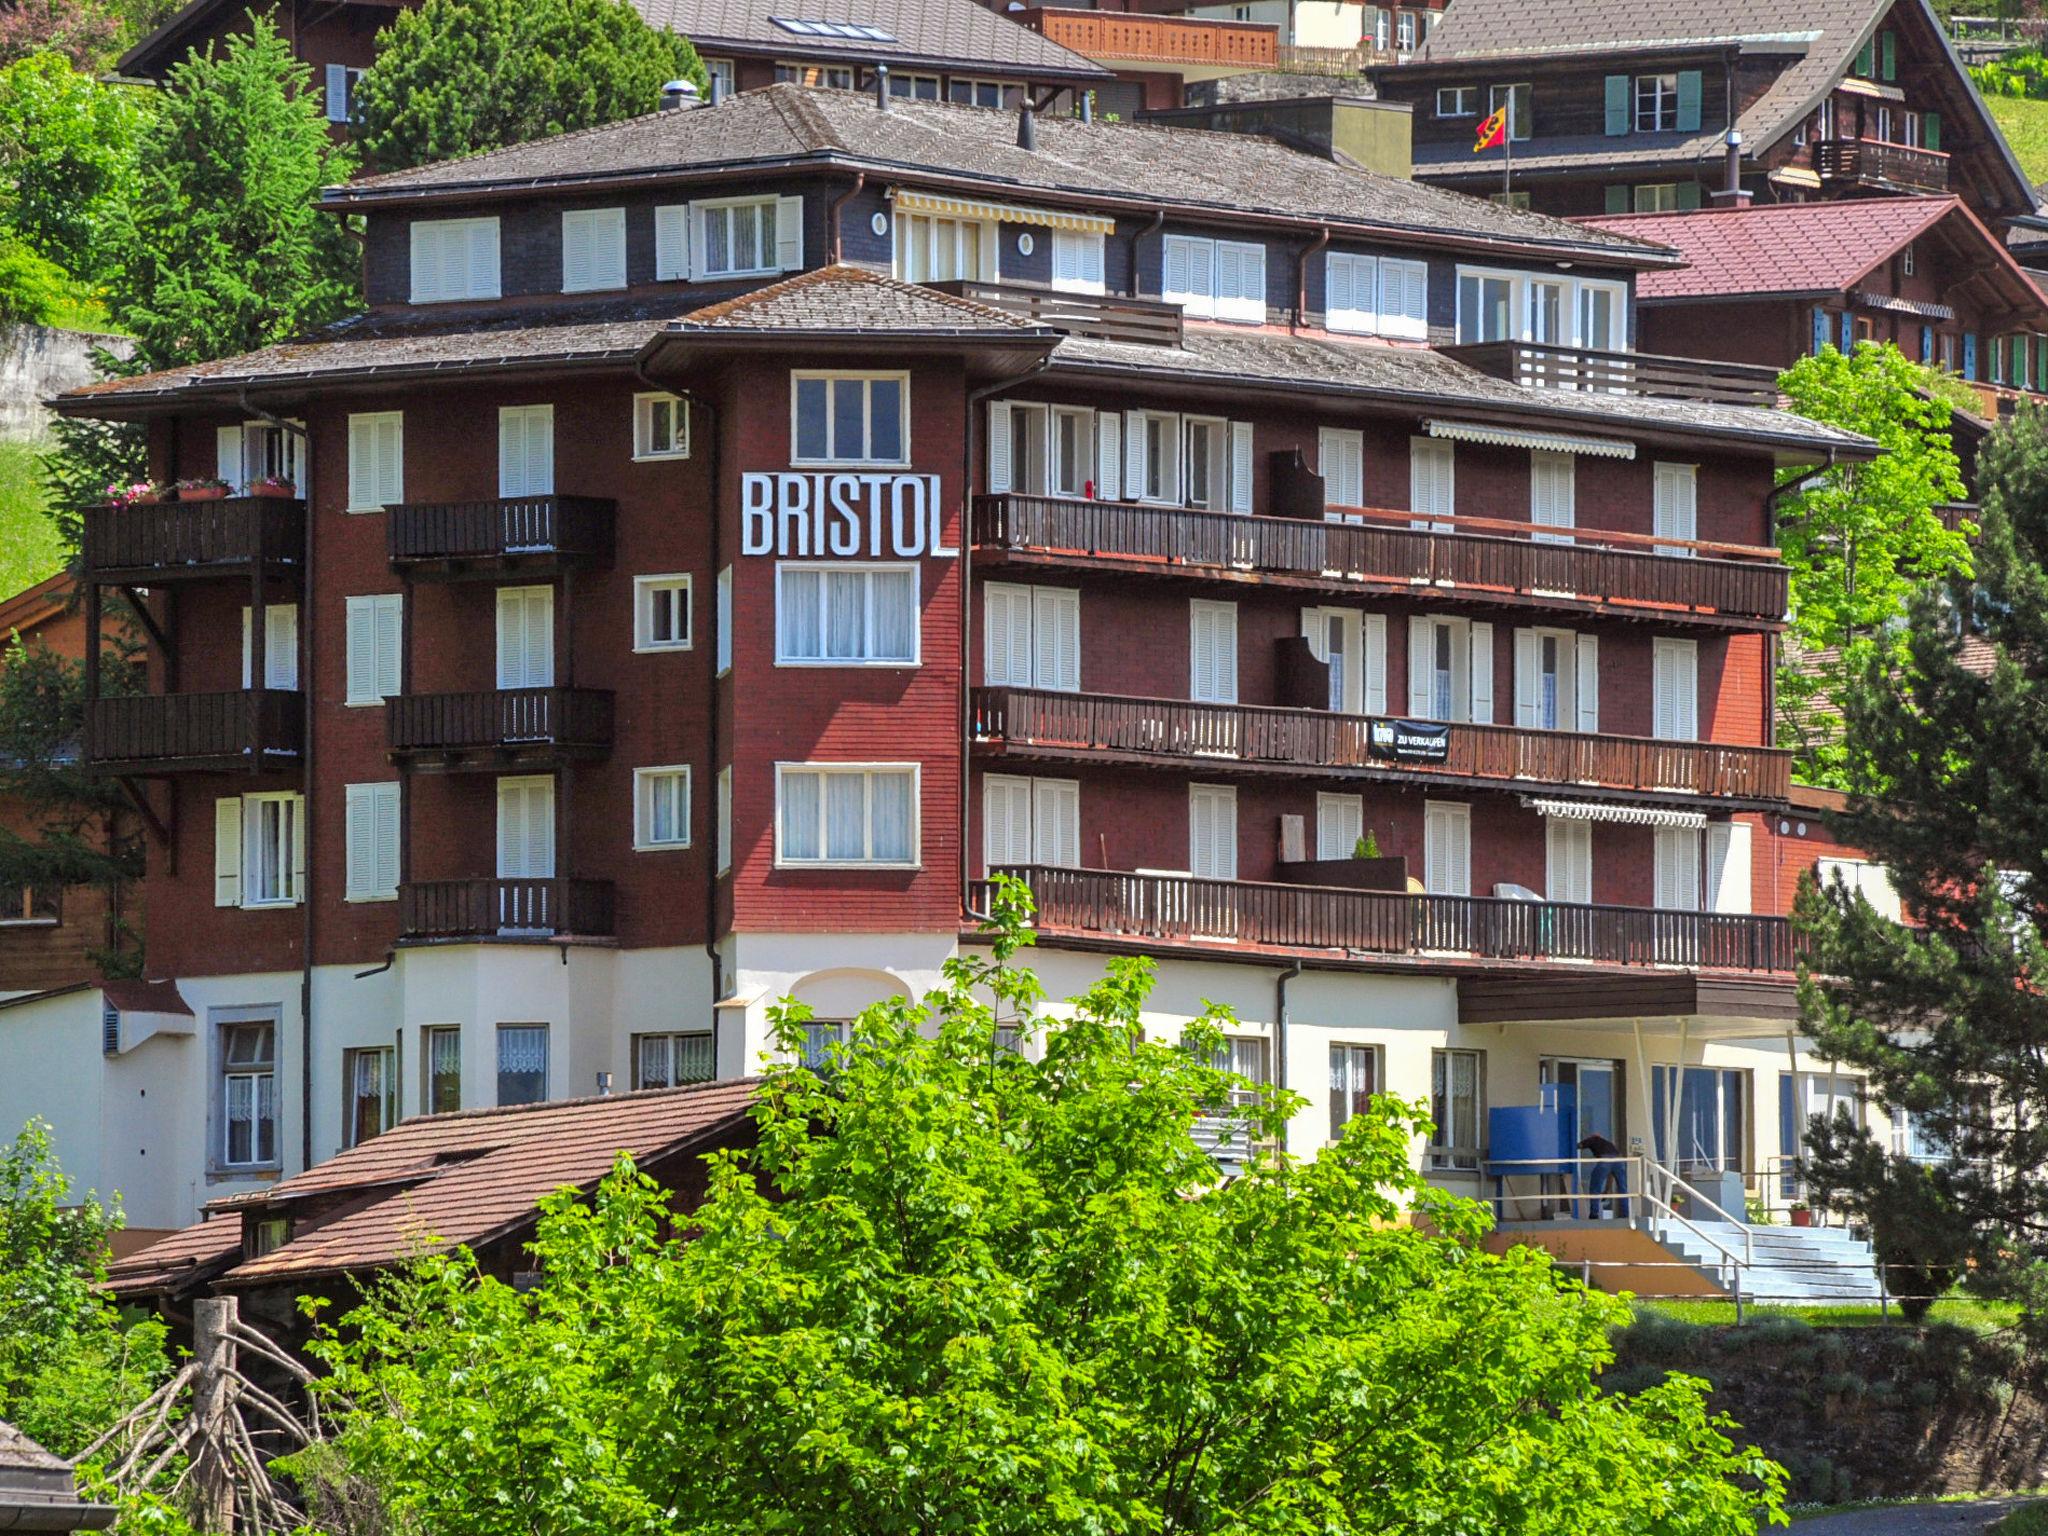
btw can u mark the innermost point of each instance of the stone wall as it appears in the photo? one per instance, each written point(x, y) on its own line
point(37, 362)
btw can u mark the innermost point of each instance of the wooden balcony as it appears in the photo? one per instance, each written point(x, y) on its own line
point(1481, 559)
point(1109, 317)
point(504, 728)
point(1303, 59)
point(152, 543)
point(155, 733)
point(1132, 37)
point(1241, 738)
point(1875, 163)
point(506, 909)
point(506, 538)
point(1116, 907)
point(1589, 369)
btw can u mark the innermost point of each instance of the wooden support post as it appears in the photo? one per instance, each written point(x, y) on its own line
point(213, 1409)
point(139, 605)
point(259, 664)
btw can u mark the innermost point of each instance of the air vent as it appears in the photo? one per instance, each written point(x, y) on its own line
point(110, 1030)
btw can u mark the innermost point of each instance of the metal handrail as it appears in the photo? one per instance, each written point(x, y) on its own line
point(1645, 1174)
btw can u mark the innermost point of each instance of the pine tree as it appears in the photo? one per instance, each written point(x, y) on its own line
point(1948, 766)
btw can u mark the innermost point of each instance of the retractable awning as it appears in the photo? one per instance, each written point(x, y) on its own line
point(1007, 213)
point(1520, 437)
point(1605, 810)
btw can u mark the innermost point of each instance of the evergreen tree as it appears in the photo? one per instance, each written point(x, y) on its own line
point(456, 76)
point(1948, 767)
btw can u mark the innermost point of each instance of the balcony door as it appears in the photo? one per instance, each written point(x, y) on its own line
point(526, 637)
point(1592, 1104)
point(526, 854)
point(526, 450)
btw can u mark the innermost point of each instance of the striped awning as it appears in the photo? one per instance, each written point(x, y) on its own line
point(1006, 213)
point(1518, 437)
point(1921, 308)
point(1616, 811)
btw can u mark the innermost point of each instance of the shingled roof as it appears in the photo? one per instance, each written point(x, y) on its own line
point(931, 33)
point(1100, 165)
point(840, 299)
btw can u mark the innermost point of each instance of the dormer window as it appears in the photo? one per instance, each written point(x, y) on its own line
point(1077, 261)
point(1457, 101)
point(593, 249)
point(1656, 103)
point(454, 259)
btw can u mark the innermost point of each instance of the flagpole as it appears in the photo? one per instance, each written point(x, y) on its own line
point(1507, 151)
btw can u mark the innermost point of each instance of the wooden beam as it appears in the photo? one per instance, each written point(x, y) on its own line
point(140, 606)
point(158, 829)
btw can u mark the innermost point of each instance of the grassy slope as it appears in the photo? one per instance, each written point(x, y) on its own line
point(29, 549)
point(2025, 125)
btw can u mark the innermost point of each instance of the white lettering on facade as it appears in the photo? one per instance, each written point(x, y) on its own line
point(798, 515)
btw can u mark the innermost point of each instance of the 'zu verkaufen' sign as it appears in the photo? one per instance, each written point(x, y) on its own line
point(1409, 741)
point(819, 514)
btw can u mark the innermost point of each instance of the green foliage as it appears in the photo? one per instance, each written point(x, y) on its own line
point(954, 1288)
point(222, 248)
point(456, 76)
point(2024, 122)
point(1915, 1227)
point(34, 291)
point(67, 148)
point(2020, 73)
point(68, 1367)
point(84, 33)
point(31, 548)
point(1368, 846)
point(1860, 538)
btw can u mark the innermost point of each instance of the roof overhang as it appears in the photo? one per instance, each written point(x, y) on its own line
point(1704, 1005)
point(989, 356)
point(1522, 437)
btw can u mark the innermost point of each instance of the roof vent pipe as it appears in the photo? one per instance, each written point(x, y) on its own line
point(1087, 106)
point(1027, 128)
point(678, 94)
point(1731, 193)
point(717, 90)
point(881, 87)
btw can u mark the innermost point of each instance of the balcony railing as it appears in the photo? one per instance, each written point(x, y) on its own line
point(1875, 163)
point(168, 541)
point(481, 729)
point(1488, 557)
point(1541, 365)
point(157, 732)
point(1178, 909)
point(1109, 317)
point(454, 539)
point(519, 908)
point(1155, 39)
point(1302, 59)
point(1310, 740)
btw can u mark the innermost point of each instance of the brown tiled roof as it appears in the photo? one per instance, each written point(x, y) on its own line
point(145, 997)
point(175, 1263)
point(855, 299)
point(1132, 164)
point(926, 32)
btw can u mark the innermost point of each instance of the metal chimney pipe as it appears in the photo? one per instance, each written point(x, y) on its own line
point(1027, 128)
point(717, 90)
point(1087, 106)
point(881, 87)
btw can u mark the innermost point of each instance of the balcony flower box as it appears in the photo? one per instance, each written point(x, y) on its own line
point(204, 488)
point(274, 485)
point(1380, 874)
point(142, 493)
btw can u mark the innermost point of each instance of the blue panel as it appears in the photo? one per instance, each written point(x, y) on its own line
point(1820, 331)
point(1970, 356)
point(1848, 334)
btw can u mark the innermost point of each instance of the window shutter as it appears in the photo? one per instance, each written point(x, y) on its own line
point(1552, 484)
point(1340, 307)
point(362, 462)
point(1421, 645)
point(1005, 821)
point(362, 650)
point(1056, 638)
point(1056, 822)
point(1888, 54)
point(1820, 330)
point(360, 818)
point(281, 646)
point(1728, 866)
point(390, 619)
point(1212, 652)
point(1340, 823)
point(526, 642)
point(789, 233)
point(672, 242)
point(1568, 860)
point(227, 851)
point(578, 251)
point(511, 451)
point(1617, 197)
point(1675, 506)
point(1447, 850)
point(1675, 687)
point(1431, 485)
point(1176, 271)
point(1688, 101)
point(337, 93)
point(481, 258)
point(1930, 130)
point(1528, 651)
point(1482, 675)
point(1375, 663)
point(1065, 259)
point(1109, 458)
point(998, 447)
point(1212, 832)
point(1969, 352)
point(376, 460)
point(1848, 340)
point(1866, 60)
point(1404, 299)
point(1240, 466)
point(1677, 861)
point(1134, 455)
point(1006, 636)
point(297, 806)
point(1617, 105)
point(1588, 689)
point(227, 456)
point(1688, 196)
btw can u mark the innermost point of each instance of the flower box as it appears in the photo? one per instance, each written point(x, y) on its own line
point(283, 488)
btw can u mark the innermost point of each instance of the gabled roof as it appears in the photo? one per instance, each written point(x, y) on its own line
point(1133, 167)
point(932, 33)
point(33, 606)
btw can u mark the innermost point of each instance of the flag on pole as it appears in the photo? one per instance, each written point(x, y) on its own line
point(1493, 133)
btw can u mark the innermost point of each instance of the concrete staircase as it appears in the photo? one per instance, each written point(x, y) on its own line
point(1795, 1266)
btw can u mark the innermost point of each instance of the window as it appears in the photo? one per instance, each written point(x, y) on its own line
point(376, 460)
point(1861, 877)
point(841, 615)
point(369, 1094)
point(526, 450)
point(1520, 102)
point(440, 1069)
point(822, 1040)
point(832, 77)
point(25, 905)
point(1030, 821)
point(1215, 279)
point(1377, 295)
point(668, 1061)
point(1077, 257)
point(259, 850)
point(1379, 27)
point(850, 418)
point(1675, 510)
point(248, 1093)
point(1073, 452)
point(593, 249)
point(1404, 31)
point(1656, 103)
point(1557, 680)
point(522, 1063)
point(1520, 306)
point(661, 613)
point(931, 248)
point(1154, 446)
point(1654, 197)
point(921, 87)
point(1568, 859)
point(1517, 200)
point(256, 451)
point(1353, 646)
point(1675, 690)
point(1446, 848)
point(526, 637)
point(661, 427)
point(1248, 1057)
point(375, 625)
point(723, 597)
point(1485, 307)
point(1906, 259)
point(975, 93)
point(846, 814)
point(661, 807)
point(454, 259)
point(1031, 637)
point(724, 820)
point(745, 237)
point(719, 74)
point(1340, 824)
point(370, 816)
point(280, 647)
point(1212, 835)
point(1450, 669)
point(1711, 1118)
point(1212, 651)
point(341, 91)
point(1457, 1105)
point(1354, 1079)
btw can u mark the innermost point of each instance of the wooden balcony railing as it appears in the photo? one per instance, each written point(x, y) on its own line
point(490, 908)
point(1487, 557)
point(518, 721)
point(1155, 39)
point(485, 538)
point(154, 732)
point(1874, 163)
point(1589, 369)
point(1110, 317)
point(168, 541)
point(1177, 909)
point(1304, 59)
point(1309, 740)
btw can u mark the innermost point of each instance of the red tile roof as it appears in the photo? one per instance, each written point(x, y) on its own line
point(172, 1264)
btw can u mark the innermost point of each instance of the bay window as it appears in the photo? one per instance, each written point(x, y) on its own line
point(842, 615)
point(846, 814)
point(850, 418)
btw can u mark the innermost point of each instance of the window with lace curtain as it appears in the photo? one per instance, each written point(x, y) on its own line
point(669, 1060)
point(248, 1093)
point(838, 615)
point(441, 1074)
point(370, 1084)
point(522, 1063)
point(846, 814)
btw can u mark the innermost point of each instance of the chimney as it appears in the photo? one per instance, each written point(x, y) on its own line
point(1731, 193)
point(881, 87)
point(678, 94)
point(1027, 128)
point(717, 90)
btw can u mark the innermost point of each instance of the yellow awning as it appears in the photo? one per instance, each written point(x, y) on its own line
point(1006, 213)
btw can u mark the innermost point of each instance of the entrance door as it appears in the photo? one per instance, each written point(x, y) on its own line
point(526, 854)
point(1593, 1107)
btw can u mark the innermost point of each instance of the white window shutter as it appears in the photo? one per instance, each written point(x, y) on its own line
point(1240, 466)
point(1674, 681)
point(511, 451)
point(1481, 695)
point(359, 815)
point(1375, 701)
point(1134, 455)
point(1176, 271)
point(1432, 485)
point(1065, 259)
point(1251, 286)
point(390, 619)
point(227, 456)
point(1528, 664)
point(1006, 624)
point(390, 458)
point(1109, 458)
point(1588, 690)
point(337, 93)
point(281, 646)
point(1728, 866)
point(1056, 822)
point(1677, 869)
point(998, 447)
point(298, 816)
point(482, 258)
point(1340, 823)
point(1551, 490)
point(540, 450)
point(1404, 299)
point(789, 233)
point(1447, 849)
point(1212, 832)
point(672, 242)
point(1056, 638)
point(1676, 514)
point(578, 252)
point(1005, 820)
point(1338, 270)
point(1212, 651)
point(1568, 860)
point(227, 851)
point(362, 651)
point(1421, 657)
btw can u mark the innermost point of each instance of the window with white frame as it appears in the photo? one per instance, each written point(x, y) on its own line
point(1556, 310)
point(259, 849)
point(846, 814)
point(1215, 279)
point(830, 77)
point(850, 418)
point(1153, 445)
point(526, 450)
point(1354, 1079)
point(661, 807)
point(719, 73)
point(1865, 878)
point(1032, 637)
point(1340, 825)
point(369, 1093)
point(1457, 1108)
point(1404, 32)
point(975, 93)
point(936, 248)
point(1675, 689)
point(1376, 295)
point(661, 427)
point(1353, 646)
point(843, 615)
point(1030, 821)
point(454, 259)
point(1457, 101)
point(724, 819)
point(1450, 669)
point(280, 647)
point(1656, 103)
point(593, 249)
point(723, 597)
point(1019, 447)
point(745, 237)
point(661, 613)
point(341, 91)
point(1520, 100)
point(371, 826)
point(1675, 515)
point(1557, 680)
point(1077, 260)
point(1447, 848)
point(375, 630)
point(248, 1093)
point(1653, 197)
point(257, 452)
point(917, 87)
point(1073, 451)
point(522, 1063)
point(671, 1060)
point(376, 460)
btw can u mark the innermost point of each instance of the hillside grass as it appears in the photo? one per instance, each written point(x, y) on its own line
point(2024, 121)
point(30, 549)
point(1962, 1311)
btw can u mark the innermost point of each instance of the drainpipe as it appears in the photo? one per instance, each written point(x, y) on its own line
point(838, 203)
point(1301, 279)
point(309, 632)
point(1280, 1022)
point(1158, 223)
